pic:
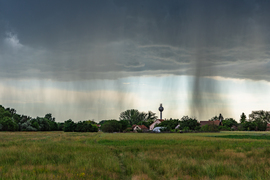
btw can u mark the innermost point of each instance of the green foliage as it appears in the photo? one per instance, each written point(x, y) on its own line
point(224, 128)
point(69, 126)
point(262, 115)
point(214, 118)
point(209, 128)
point(169, 124)
point(112, 126)
point(186, 128)
point(86, 126)
point(124, 124)
point(259, 119)
point(133, 116)
point(7, 124)
point(35, 124)
point(191, 123)
point(229, 122)
point(243, 118)
point(60, 126)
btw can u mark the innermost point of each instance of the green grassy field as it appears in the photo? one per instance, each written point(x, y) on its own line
point(59, 155)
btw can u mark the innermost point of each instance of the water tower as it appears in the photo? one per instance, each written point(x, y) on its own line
point(160, 109)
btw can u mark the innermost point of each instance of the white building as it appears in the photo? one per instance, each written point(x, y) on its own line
point(158, 121)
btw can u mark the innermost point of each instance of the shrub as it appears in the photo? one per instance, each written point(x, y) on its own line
point(111, 126)
point(210, 128)
point(69, 126)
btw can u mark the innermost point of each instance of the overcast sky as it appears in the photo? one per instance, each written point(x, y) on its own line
point(94, 59)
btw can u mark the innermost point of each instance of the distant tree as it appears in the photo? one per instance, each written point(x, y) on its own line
point(220, 117)
point(49, 117)
point(214, 118)
point(69, 126)
point(191, 123)
point(34, 123)
point(229, 122)
point(111, 126)
point(133, 116)
point(43, 124)
point(53, 125)
point(260, 118)
point(209, 128)
point(124, 125)
point(60, 126)
point(263, 115)
point(243, 118)
point(7, 124)
point(169, 124)
point(249, 126)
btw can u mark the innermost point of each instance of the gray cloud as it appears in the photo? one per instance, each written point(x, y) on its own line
point(109, 39)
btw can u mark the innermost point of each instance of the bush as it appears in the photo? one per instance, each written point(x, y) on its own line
point(69, 126)
point(111, 126)
point(224, 128)
point(7, 124)
point(186, 129)
point(210, 128)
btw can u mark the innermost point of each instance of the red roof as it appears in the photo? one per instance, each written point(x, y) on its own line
point(160, 120)
point(216, 122)
point(268, 127)
point(140, 126)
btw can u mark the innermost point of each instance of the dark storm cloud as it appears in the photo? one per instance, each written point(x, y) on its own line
point(68, 40)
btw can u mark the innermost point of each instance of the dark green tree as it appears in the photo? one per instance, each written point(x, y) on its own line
point(169, 124)
point(243, 118)
point(7, 124)
point(111, 126)
point(190, 123)
point(69, 126)
point(229, 122)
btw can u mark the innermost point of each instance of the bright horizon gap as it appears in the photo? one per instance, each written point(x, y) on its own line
point(141, 91)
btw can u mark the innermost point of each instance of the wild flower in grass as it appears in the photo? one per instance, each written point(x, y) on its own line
point(81, 174)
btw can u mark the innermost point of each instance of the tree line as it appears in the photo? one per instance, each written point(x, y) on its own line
point(257, 121)
point(11, 121)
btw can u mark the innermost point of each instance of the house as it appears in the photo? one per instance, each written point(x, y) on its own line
point(139, 127)
point(216, 122)
point(158, 121)
point(268, 127)
point(234, 128)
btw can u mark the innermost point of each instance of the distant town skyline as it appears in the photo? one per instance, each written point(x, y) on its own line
point(95, 59)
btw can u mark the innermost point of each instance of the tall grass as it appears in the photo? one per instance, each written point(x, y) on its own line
point(59, 155)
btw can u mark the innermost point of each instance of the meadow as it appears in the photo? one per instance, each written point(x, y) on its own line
point(61, 155)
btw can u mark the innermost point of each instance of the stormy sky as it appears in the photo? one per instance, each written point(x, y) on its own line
point(94, 59)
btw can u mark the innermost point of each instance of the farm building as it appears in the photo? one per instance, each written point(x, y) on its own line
point(139, 127)
point(158, 121)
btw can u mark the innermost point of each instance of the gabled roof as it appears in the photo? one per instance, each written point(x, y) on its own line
point(268, 127)
point(140, 126)
point(161, 120)
point(216, 122)
point(205, 122)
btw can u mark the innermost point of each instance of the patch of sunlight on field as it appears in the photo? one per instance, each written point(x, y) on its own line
point(59, 155)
